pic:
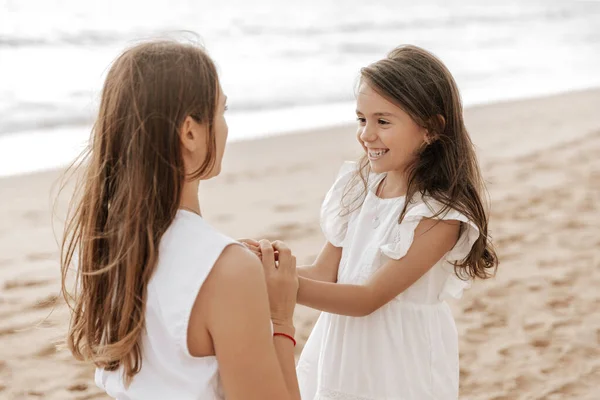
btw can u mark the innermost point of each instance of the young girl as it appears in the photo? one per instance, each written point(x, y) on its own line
point(166, 306)
point(406, 229)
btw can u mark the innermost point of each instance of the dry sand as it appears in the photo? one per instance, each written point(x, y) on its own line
point(533, 332)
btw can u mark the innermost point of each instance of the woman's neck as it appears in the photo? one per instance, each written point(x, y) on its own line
point(189, 197)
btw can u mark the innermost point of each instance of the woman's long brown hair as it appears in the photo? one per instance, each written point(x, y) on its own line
point(447, 169)
point(129, 195)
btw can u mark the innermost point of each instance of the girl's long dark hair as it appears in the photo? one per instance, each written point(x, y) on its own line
point(447, 169)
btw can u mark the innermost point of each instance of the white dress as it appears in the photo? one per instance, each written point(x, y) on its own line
point(187, 253)
point(407, 349)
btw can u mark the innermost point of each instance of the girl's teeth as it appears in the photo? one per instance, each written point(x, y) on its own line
point(377, 153)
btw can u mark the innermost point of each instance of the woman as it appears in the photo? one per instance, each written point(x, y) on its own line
point(166, 306)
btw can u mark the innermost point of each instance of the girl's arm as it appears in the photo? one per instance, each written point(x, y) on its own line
point(433, 239)
point(325, 267)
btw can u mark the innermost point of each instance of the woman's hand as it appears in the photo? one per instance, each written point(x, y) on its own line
point(282, 280)
point(233, 310)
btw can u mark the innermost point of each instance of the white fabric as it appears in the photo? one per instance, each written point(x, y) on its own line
point(187, 253)
point(407, 349)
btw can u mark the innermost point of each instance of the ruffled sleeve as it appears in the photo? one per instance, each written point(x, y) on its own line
point(403, 236)
point(334, 219)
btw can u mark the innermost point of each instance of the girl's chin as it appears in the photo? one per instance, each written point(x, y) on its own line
point(378, 167)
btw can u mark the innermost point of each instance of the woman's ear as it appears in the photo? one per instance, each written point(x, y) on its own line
point(192, 134)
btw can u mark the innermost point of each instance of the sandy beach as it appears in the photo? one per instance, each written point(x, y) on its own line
point(533, 332)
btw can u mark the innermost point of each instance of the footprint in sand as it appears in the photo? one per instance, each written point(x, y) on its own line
point(46, 351)
point(540, 343)
point(477, 335)
point(475, 306)
point(573, 224)
point(550, 263)
point(510, 239)
point(523, 175)
point(17, 284)
point(4, 366)
point(559, 303)
point(533, 326)
point(40, 256)
point(535, 286)
point(562, 281)
point(526, 383)
point(494, 321)
point(514, 350)
point(586, 205)
point(282, 208)
point(548, 370)
point(502, 397)
point(47, 302)
point(561, 323)
point(79, 387)
point(544, 165)
point(11, 330)
point(498, 291)
point(571, 389)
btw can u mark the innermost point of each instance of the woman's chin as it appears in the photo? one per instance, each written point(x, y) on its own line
point(216, 171)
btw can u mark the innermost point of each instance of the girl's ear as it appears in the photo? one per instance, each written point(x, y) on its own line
point(438, 124)
point(442, 122)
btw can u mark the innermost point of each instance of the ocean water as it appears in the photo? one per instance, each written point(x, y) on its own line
point(285, 66)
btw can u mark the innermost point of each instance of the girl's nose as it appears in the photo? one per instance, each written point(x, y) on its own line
point(368, 134)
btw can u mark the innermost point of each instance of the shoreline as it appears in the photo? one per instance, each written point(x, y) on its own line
point(71, 139)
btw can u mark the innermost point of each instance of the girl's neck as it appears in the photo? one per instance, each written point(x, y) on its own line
point(393, 185)
point(189, 197)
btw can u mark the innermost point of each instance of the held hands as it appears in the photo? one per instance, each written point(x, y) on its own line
point(252, 245)
point(279, 265)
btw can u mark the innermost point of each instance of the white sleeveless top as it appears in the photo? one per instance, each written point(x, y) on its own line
point(407, 349)
point(187, 253)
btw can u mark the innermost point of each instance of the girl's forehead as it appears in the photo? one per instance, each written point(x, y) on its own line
point(368, 100)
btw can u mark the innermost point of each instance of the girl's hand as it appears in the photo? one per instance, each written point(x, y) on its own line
point(252, 245)
point(282, 281)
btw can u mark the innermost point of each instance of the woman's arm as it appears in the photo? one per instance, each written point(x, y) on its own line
point(433, 239)
point(233, 309)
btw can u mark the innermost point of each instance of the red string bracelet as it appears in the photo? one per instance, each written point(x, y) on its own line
point(287, 336)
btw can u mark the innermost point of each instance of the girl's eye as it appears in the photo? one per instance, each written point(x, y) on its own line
point(226, 107)
point(383, 122)
point(361, 120)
